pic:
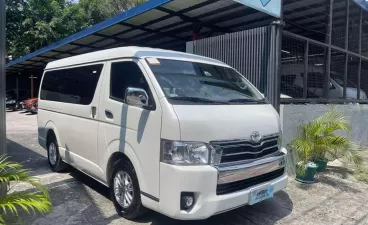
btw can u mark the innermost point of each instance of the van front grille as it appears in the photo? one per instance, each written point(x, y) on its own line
point(239, 150)
point(244, 184)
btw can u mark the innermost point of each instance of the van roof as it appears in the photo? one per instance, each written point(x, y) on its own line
point(129, 52)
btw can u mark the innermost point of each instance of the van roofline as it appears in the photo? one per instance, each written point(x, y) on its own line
point(129, 52)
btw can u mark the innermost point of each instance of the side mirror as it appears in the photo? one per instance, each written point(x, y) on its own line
point(136, 97)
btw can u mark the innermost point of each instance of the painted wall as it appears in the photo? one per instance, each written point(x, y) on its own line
point(293, 115)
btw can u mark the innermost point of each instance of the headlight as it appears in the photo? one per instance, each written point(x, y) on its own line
point(185, 153)
point(11, 102)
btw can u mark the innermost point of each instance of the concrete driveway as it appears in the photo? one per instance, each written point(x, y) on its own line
point(336, 198)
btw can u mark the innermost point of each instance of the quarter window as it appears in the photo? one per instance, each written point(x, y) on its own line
point(75, 85)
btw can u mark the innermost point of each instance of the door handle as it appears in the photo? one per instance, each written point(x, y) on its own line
point(93, 111)
point(109, 114)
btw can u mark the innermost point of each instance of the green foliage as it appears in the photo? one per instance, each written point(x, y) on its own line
point(33, 24)
point(12, 173)
point(318, 140)
point(300, 169)
point(361, 174)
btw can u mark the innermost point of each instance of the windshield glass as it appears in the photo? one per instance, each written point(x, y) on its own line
point(202, 83)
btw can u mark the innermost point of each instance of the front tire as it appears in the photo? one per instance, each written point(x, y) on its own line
point(54, 159)
point(125, 192)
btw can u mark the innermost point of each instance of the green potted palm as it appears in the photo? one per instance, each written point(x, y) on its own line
point(12, 173)
point(317, 143)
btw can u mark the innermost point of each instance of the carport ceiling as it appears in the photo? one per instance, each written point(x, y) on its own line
point(167, 24)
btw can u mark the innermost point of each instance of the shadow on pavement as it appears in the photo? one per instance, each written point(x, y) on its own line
point(340, 171)
point(338, 184)
point(74, 203)
point(28, 158)
point(264, 213)
point(31, 114)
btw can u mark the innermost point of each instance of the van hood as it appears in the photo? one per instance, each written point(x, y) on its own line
point(207, 123)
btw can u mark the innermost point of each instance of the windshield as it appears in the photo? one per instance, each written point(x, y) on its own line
point(184, 81)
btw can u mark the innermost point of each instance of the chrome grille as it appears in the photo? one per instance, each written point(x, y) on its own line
point(244, 184)
point(239, 150)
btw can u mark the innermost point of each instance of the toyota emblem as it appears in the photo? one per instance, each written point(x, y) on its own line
point(255, 137)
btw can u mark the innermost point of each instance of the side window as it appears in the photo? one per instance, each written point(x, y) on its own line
point(75, 85)
point(124, 75)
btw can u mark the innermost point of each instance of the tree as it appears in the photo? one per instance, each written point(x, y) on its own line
point(33, 24)
point(14, 19)
point(98, 11)
point(47, 21)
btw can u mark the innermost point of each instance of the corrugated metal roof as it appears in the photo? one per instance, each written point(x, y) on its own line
point(169, 24)
point(157, 23)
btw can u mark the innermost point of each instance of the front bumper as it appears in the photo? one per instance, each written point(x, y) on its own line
point(203, 181)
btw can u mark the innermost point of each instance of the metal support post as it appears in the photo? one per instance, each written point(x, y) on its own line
point(31, 85)
point(2, 80)
point(360, 51)
point(17, 86)
point(346, 47)
point(306, 70)
point(328, 64)
point(275, 61)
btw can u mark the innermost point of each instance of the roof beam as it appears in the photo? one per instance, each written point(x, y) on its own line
point(194, 20)
point(197, 6)
point(48, 57)
point(85, 46)
point(63, 52)
point(160, 33)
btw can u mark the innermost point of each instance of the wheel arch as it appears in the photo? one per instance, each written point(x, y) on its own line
point(50, 128)
point(117, 152)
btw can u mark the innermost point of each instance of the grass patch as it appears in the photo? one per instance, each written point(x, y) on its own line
point(361, 174)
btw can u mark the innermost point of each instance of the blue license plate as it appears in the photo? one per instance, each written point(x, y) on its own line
point(261, 194)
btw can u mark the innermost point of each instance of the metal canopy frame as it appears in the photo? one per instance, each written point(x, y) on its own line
point(165, 24)
point(331, 47)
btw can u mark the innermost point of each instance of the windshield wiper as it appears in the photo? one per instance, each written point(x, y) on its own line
point(196, 99)
point(247, 100)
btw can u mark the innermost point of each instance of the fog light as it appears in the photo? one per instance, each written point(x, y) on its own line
point(187, 200)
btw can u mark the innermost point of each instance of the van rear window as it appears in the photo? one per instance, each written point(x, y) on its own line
point(74, 85)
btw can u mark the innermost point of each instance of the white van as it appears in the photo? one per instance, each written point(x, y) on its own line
point(184, 135)
point(292, 74)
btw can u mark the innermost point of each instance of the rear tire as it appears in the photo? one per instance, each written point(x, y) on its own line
point(125, 192)
point(54, 159)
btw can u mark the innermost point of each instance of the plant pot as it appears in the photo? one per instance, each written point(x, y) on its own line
point(308, 177)
point(321, 164)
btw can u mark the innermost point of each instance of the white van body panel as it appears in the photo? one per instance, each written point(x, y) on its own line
point(129, 52)
point(222, 122)
point(76, 131)
point(133, 130)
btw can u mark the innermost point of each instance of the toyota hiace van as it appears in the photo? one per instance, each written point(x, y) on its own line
point(181, 134)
